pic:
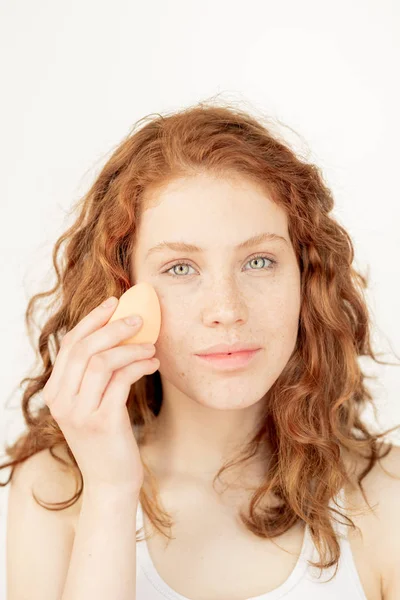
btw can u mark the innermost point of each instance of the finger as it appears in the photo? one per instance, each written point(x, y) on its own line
point(100, 370)
point(105, 338)
point(117, 391)
point(98, 317)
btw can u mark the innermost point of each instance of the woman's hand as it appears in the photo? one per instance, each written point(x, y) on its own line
point(87, 392)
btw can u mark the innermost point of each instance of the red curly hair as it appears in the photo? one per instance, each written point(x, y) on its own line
point(313, 410)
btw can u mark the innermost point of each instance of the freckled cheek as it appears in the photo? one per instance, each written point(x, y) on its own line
point(282, 318)
point(173, 341)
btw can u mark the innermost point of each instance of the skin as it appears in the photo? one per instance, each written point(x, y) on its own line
point(224, 296)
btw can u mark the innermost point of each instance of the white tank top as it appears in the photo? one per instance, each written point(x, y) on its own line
point(304, 582)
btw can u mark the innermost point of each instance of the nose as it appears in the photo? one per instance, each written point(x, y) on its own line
point(225, 304)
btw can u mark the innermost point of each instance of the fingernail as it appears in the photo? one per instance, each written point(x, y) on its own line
point(133, 320)
point(109, 302)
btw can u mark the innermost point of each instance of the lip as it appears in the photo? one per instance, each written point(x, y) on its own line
point(229, 348)
point(223, 362)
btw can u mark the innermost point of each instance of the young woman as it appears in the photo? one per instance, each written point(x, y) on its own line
point(241, 472)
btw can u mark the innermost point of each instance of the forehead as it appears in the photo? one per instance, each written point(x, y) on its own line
point(202, 208)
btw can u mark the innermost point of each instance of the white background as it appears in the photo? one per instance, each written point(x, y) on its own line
point(77, 75)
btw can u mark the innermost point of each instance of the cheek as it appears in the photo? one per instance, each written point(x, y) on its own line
point(281, 321)
point(173, 339)
point(283, 316)
point(176, 323)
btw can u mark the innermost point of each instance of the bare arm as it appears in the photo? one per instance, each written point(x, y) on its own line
point(85, 551)
point(103, 560)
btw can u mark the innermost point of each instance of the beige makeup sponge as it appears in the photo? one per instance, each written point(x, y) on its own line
point(141, 299)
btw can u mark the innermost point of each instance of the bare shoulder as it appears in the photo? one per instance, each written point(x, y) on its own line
point(382, 486)
point(385, 491)
point(380, 523)
point(39, 538)
point(49, 480)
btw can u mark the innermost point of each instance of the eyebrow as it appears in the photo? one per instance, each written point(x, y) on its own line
point(186, 247)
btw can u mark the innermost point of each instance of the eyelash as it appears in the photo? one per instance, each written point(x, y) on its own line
point(272, 266)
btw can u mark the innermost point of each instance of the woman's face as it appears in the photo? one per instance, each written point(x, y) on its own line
point(224, 295)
